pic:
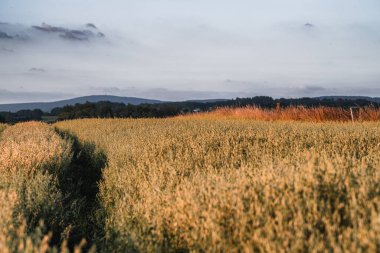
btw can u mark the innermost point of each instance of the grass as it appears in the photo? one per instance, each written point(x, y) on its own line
point(317, 114)
point(213, 184)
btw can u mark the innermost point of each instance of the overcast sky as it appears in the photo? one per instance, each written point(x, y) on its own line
point(194, 49)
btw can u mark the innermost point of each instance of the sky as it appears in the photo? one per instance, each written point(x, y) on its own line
point(193, 49)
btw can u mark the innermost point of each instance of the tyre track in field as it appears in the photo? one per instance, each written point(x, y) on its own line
point(79, 185)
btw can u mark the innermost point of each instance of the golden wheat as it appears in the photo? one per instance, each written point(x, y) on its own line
point(28, 193)
point(2, 127)
point(13, 235)
point(220, 185)
point(293, 113)
point(30, 146)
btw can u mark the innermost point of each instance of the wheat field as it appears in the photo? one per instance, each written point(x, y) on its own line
point(190, 184)
point(30, 153)
point(37, 212)
point(292, 113)
point(236, 185)
point(2, 127)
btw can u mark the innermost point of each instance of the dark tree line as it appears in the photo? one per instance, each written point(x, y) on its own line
point(115, 110)
point(107, 109)
point(23, 115)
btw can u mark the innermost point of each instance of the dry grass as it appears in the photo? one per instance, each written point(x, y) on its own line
point(31, 154)
point(2, 127)
point(13, 234)
point(209, 184)
point(317, 114)
point(31, 146)
point(7, 205)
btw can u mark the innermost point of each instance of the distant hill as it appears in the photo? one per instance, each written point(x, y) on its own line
point(48, 106)
point(208, 100)
point(372, 99)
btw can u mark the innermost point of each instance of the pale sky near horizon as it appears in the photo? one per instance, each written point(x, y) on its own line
point(194, 49)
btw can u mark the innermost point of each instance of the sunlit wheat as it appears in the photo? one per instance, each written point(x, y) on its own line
point(219, 185)
point(293, 113)
point(28, 193)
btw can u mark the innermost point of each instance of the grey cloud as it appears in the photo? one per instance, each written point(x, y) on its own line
point(168, 94)
point(315, 91)
point(37, 69)
point(175, 50)
point(310, 90)
point(7, 96)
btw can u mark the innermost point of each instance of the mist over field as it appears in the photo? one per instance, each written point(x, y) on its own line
point(178, 50)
